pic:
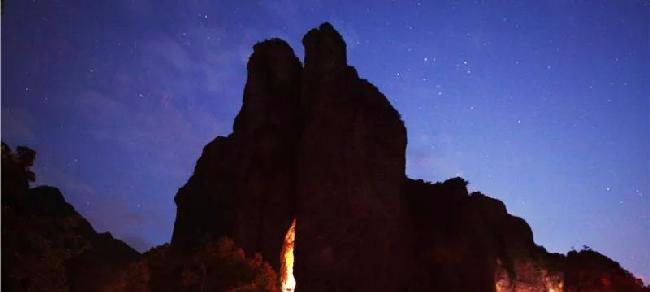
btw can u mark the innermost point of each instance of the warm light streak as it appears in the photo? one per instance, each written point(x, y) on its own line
point(288, 281)
point(529, 277)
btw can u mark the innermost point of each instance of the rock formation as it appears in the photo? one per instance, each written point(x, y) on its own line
point(317, 144)
point(244, 184)
point(350, 161)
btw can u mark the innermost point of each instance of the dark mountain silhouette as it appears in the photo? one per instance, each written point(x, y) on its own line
point(316, 145)
point(46, 244)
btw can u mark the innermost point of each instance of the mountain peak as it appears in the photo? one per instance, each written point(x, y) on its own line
point(325, 49)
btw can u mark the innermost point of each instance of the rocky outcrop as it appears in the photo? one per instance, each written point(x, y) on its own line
point(244, 185)
point(350, 170)
point(455, 236)
point(304, 141)
point(317, 144)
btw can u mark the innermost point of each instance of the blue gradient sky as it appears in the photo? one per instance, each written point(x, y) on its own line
point(542, 104)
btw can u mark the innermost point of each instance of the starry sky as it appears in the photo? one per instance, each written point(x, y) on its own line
point(542, 104)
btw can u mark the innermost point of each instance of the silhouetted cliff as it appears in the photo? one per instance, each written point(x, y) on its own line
point(312, 143)
point(304, 142)
point(317, 144)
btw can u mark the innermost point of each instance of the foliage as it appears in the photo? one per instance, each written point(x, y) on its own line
point(217, 266)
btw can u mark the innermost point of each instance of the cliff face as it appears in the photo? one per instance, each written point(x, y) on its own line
point(304, 141)
point(244, 184)
point(317, 144)
point(455, 236)
point(350, 167)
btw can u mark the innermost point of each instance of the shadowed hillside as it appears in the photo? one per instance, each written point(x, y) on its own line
point(46, 244)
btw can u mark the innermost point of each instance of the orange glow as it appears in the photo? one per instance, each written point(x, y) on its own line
point(288, 281)
point(528, 277)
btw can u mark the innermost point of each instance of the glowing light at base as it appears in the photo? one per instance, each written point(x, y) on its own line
point(286, 276)
point(528, 277)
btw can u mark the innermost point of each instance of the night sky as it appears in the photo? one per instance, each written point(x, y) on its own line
point(542, 104)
